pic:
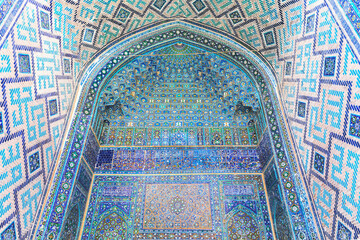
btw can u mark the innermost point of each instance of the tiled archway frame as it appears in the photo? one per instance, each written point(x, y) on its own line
point(120, 52)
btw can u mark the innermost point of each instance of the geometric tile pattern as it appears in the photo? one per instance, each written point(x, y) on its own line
point(1, 123)
point(329, 66)
point(34, 162)
point(24, 63)
point(319, 162)
point(53, 108)
point(89, 34)
point(149, 160)
point(281, 221)
point(187, 207)
point(183, 199)
point(342, 232)
point(301, 109)
point(9, 233)
point(354, 129)
point(83, 122)
point(287, 21)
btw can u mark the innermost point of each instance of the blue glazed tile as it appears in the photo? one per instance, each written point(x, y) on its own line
point(288, 66)
point(269, 38)
point(199, 5)
point(88, 36)
point(9, 233)
point(1, 123)
point(159, 4)
point(301, 109)
point(53, 109)
point(343, 233)
point(84, 178)
point(123, 15)
point(354, 129)
point(329, 66)
point(24, 63)
point(45, 20)
point(235, 17)
point(34, 162)
point(67, 65)
point(310, 24)
point(319, 162)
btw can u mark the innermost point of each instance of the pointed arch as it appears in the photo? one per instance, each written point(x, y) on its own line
point(242, 225)
point(112, 226)
point(122, 51)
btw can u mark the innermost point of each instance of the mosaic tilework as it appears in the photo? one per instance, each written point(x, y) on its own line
point(188, 88)
point(351, 9)
point(188, 207)
point(264, 150)
point(342, 232)
point(9, 233)
point(301, 111)
point(1, 123)
point(84, 118)
point(24, 63)
point(134, 199)
point(29, 130)
point(329, 66)
point(71, 227)
point(174, 159)
point(337, 63)
point(354, 129)
point(34, 162)
point(269, 14)
point(118, 136)
point(319, 162)
point(53, 108)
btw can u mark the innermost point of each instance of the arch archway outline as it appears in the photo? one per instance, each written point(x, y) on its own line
point(121, 51)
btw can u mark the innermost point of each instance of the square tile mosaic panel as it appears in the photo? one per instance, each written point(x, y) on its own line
point(45, 20)
point(1, 123)
point(34, 162)
point(310, 24)
point(159, 4)
point(88, 35)
point(178, 207)
point(9, 233)
point(329, 66)
point(149, 160)
point(343, 233)
point(53, 108)
point(235, 17)
point(24, 63)
point(269, 38)
point(199, 5)
point(319, 162)
point(67, 65)
point(301, 109)
point(354, 128)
